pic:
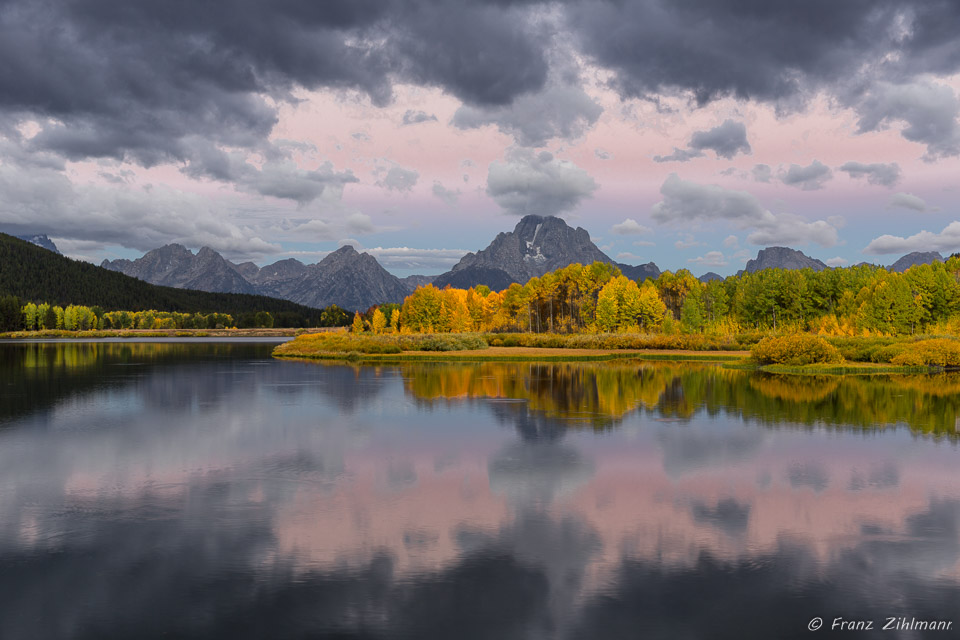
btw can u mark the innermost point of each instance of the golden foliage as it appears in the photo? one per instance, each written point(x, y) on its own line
point(795, 350)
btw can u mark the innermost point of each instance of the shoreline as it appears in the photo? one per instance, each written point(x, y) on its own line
point(731, 359)
point(523, 354)
point(728, 360)
point(57, 334)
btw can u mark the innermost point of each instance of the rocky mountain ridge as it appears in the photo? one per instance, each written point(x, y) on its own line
point(536, 245)
point(176, 266)
point(782, 258)
point(351, 280)
point(915, 258)
point(356, 281)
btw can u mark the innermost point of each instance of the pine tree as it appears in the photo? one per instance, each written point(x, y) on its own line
point(10, 315)
point(50, 318)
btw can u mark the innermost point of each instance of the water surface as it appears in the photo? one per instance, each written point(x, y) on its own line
point(208, 491)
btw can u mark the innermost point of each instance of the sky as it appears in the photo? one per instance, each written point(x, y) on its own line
point(691, 133)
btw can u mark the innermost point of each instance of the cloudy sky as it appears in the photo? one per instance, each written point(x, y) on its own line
point(687, 132)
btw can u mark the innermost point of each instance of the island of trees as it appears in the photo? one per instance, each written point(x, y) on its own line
point(786, 318)
point(856, 301)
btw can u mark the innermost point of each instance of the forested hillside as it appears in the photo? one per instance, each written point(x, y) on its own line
point(36, 275)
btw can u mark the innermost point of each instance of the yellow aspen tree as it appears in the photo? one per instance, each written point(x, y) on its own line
point(379, 322)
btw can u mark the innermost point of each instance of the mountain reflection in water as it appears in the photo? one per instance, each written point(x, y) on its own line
point(207, 491)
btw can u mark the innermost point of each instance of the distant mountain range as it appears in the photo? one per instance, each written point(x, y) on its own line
point(356, 281)
point(33, 273)
point(351, 280)
point(176, 266)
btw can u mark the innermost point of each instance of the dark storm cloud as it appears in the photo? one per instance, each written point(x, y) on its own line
point(132, 79)
point(108, 78)
point(137, 80)
point(869, 54)
point(483, 55)
point(763, 50)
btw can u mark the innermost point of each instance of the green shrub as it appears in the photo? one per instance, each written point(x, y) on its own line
point(796, 350)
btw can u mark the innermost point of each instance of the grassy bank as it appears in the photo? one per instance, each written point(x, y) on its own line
point(792, 354)
point(514, 354)
point(478, 347)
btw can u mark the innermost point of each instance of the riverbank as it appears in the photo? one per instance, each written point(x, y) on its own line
point(860, 356)
point(160, 333)
point(512, 354)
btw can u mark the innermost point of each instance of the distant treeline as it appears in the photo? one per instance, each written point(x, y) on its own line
point(44, 316)
point(32, 275)
point(860, 300)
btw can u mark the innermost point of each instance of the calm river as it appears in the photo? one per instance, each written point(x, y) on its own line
point(204, 490)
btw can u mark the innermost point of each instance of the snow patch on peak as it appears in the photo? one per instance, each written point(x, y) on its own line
point(537, 256)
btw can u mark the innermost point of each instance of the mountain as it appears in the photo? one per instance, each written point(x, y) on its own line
point(32, 273)
point(537, 244)
point(356, 281)
point(640, 272)
point(176, 266)
point(473, 276)
point(278, 279)
point(782, 258)
point(41, 240)
point(915, 258)
point(351, 280)
point(412, 282)
point(710, 276)
point(246, 269)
